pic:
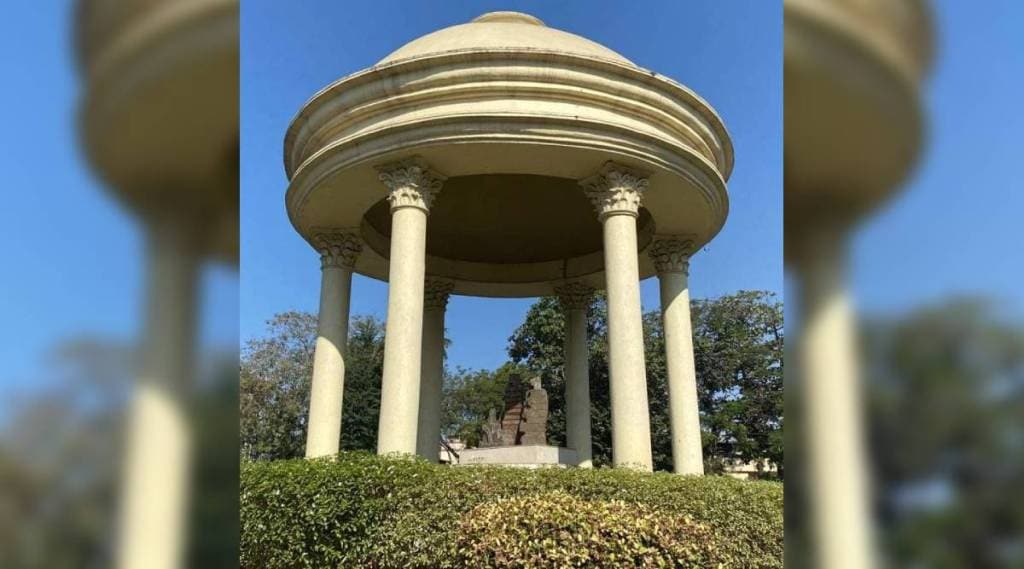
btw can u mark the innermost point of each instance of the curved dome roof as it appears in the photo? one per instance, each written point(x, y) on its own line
point(503, 31)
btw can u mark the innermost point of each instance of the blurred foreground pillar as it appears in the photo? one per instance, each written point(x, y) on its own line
point(853, 130)
point(158, 122)
point(833, 407)
point(158, 453)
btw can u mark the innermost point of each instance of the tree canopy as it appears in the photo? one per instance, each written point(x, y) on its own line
point(738, 342)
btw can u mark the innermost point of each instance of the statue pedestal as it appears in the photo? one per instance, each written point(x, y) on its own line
point(523, 456)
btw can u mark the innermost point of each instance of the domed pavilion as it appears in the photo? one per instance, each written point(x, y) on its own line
point(505, 158)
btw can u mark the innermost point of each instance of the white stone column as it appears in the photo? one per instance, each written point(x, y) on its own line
point(435, 301)
point(575, 298)
point(671, 258)
point(338, 253)
point(833, 427)
point(616, 194)
point(412, 188)
point(158, 453)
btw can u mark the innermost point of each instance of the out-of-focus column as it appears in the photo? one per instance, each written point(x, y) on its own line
point(435, 301)
point(834, 432)
point(412, 187)
point(616, 193)
point(158, 455)
point(338, 253)
point(575, 299)
point(671, 258)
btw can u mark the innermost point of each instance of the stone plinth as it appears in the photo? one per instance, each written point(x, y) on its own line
point(523, 456)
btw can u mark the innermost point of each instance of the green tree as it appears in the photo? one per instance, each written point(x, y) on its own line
point(738, 343)
point(62, 446)
point(468, 397)
point(538, 345)
point(945, 392)
point(944, 395)
point(364, 369)
point(738, 348)
point(275, 378)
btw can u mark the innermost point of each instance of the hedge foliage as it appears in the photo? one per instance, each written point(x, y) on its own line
point(361, 510)
point(560, 530)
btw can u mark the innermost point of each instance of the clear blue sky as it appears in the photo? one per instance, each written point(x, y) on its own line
point(728, 52)
point(959, 224)
point(72, 257)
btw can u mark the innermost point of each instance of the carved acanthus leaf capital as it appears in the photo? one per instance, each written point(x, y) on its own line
point(575, 295)
point(410, 183)
point(615, 189)
point(672, 254)
point(338, 248)
point(436, 293)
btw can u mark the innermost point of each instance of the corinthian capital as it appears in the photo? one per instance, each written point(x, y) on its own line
point(338, 248)
point(671, 254)
point(615, 189)
point(574, 295)
point(410, 183)
point(436, 293)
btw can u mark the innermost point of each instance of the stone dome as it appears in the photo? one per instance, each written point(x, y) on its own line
point(503, 31)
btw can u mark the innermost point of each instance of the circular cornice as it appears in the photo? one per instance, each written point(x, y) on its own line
point(897, 32)
point(854, 117)
point(109, 34)
point(460, 74)
point(158, 117)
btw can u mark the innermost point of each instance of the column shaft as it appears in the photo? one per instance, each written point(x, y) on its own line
point(687, 456)
point(429, 430)
point(631, 423)
point(158, 449)
point(840, 494)
point(400, 389)
point(323, 436)
point(577, 386)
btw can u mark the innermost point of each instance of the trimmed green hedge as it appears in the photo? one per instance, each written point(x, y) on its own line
point(560, 530)
point(361, 510)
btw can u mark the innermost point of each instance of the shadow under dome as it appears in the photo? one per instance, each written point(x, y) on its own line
point(505, 219)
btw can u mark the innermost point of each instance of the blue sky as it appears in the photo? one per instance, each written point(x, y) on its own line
point(72, 257)
point(959, 223)
point(729, 53)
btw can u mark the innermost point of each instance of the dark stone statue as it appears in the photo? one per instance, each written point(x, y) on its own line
point(492, 435)
point(525, 420)
point(533, 428)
